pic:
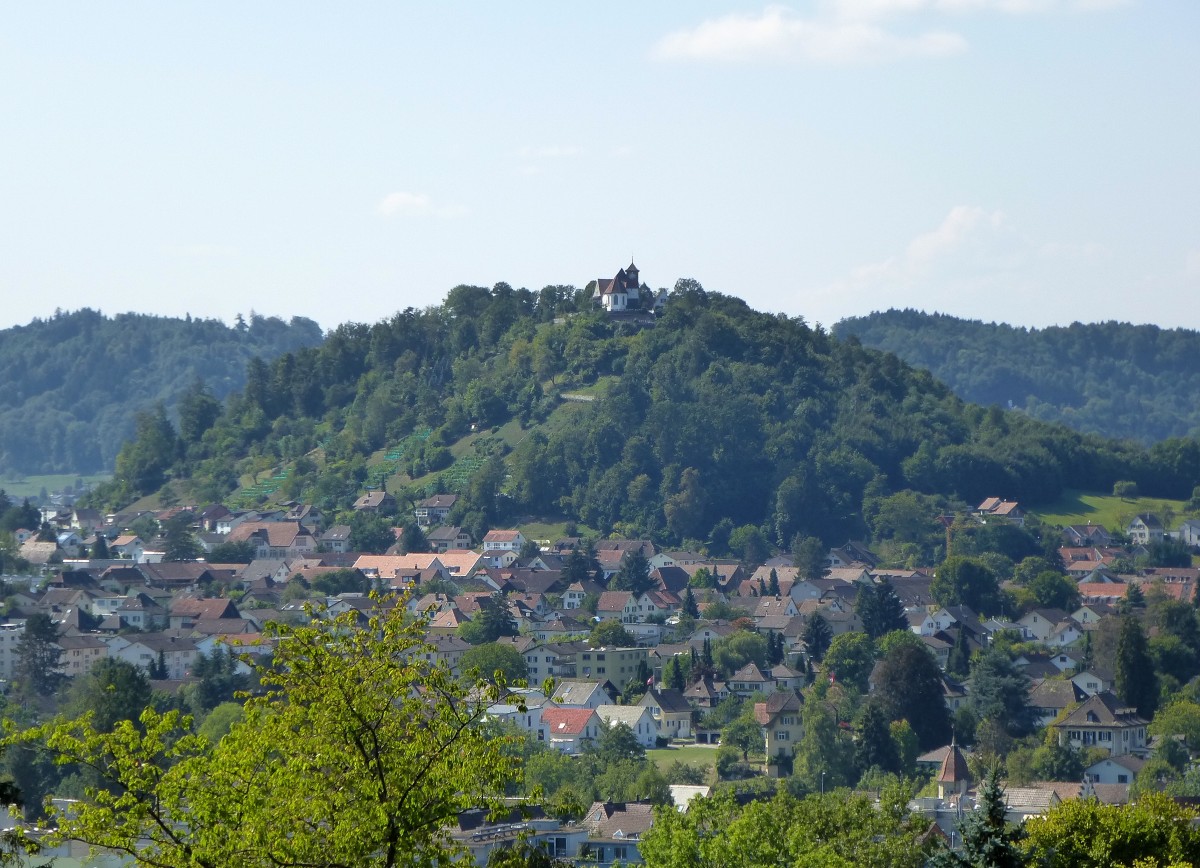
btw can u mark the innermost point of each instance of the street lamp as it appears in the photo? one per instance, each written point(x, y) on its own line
point(822, 783)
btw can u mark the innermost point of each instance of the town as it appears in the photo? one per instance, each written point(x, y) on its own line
point(815, 669)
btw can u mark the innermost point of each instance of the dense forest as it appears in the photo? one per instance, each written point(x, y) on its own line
point(716, 424)
point(1113, 379)
point(72, 381)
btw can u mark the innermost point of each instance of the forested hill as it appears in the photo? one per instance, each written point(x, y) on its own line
point(1115, 379)
point(71, 383)
point(715, 418)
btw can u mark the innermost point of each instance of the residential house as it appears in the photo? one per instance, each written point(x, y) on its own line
point(375, 501)
point(706, 693)
point(434, 510)
point(10, 638)
point(617, 606)
point(570, 729)
point(749, 680)
point(638, 718)
point(995, 507)
point(1189, 532)
point(580, 694)
point(275, 539)
point(670, 710)
point(147, 649)
point(614, 830)
point(1038, 624)
point(1103, 722)
point(1144, 529)
point(448, 538)
point(1114, 770)
point(336, 539)
point(782, 727)
point(617, 665)
point(1087, 535)
point(1049, 697)
point(497, 541)
point(1094, 680)
point(81, 652)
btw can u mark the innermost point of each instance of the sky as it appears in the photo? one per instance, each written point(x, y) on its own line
point(1035, 162)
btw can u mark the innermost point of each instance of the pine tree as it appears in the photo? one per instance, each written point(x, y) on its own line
point(958, 663)
point(773, 584)
point(690, 607)
point(875, 748)
point(817, 636)
point(1136, 682)
point(39, 668)
point(988, 841)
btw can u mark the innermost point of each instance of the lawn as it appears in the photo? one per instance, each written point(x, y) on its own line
point(31, 486)
point(1114, 513)
point(692, 755)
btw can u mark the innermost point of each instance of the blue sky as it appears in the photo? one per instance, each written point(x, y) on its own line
point(1026, 161)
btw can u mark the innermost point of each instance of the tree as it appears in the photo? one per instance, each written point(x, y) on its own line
point(690, 607)
point(413, 539)
point(999, 691)
point(1153, 831)
point(181, 543)
point(99, 548)
point(359, 752)
point(370, 532)
point(610, 634)
point(908, 686)
point(1125, 489)
point(880, 609)
point(39, 669)
point(967, 582)
point(958, 661)
point(112, 691)
point(988, 841)
point(492, 621)
point(817, 636)
point(1137, 685)
point(809, 555)
point(849, 660)
point(494, 662)
point(618, 742)
point(773, 584)
point(634, 574)
point(876, 748)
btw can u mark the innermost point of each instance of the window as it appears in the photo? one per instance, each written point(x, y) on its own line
point(1122, 779)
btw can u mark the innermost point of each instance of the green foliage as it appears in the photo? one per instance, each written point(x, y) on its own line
point(966, 581)
point(849, 660)
point(1136, 685)
point(1153, 831)
point(113, 691)
point(357, 753)
point(998, 692)
point(610, 634)
point(39, 668)
point(988, 841)
point(908, 686)
point(880, 609)
point(817, 636)
point(494, 662)
point(60, 415)
point(492, 621)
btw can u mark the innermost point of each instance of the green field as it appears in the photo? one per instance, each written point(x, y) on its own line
point(692, 755)
point(1114, 513)
point(31, 486)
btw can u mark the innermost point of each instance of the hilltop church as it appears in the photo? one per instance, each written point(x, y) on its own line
point(626, 292)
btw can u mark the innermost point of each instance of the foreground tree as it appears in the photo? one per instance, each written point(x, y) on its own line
point(359, 753)
point(988, 841)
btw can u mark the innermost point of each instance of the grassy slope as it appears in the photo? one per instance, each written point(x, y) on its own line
point(1114, 513)
point(31, 486)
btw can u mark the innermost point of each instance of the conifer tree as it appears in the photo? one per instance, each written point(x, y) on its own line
point(690, 607)
point(988, 841)
point(817, 636)
point(1137, 685)
point(958, 663)
point(773, 584)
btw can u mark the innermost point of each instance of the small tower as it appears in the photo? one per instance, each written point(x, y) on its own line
point(954, 777)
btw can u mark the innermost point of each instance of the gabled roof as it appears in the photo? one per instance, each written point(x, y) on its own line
point(567, 721)
point(1104, 709)
point(671, 701)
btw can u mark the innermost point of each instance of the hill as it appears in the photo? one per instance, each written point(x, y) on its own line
point(1113, 379)
point(714, 423)
point(73, 382)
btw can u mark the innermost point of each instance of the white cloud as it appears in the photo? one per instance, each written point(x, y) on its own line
point(842, 31)
point(405, 204)
point(778, 34)
point(976, 263)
